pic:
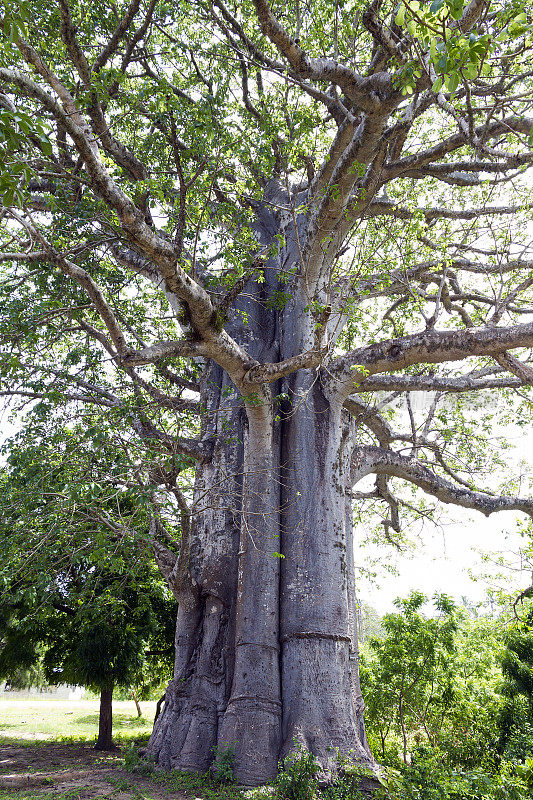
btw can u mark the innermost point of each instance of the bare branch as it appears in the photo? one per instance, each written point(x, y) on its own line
point(385, 462)
point(120, 30)
point(429, 347)
point(365, 92)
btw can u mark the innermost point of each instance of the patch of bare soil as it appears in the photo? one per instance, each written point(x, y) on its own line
point(76, 769)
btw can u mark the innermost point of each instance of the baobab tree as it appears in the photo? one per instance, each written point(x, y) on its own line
point(238, 231)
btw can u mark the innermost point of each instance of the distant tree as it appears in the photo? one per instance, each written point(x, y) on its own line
point(93, 600)
point(405, 676)
point(369, 622)
point(516, 717)
point(435, 680)
point(115, 631)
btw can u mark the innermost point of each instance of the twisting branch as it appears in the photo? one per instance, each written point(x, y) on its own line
point(387, 207)
point(429, 347)
point(365, 91)
point(382, 461)
point(202, 314)
point(119, 32)
point(161, 350)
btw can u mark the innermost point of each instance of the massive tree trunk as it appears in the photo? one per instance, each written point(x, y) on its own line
point(266, 647)
point(266, 651)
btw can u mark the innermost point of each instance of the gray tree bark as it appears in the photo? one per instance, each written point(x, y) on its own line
point(266, 647)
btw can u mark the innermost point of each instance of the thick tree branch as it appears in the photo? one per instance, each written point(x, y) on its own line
point(218, 344)
point(161, 350)
point(381, 461)
point(365, 92)
point(430, 383)
point(386, 207)
point(429, 347)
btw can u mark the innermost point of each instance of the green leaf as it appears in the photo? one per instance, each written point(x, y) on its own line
point(400, 16)
point(452, 81)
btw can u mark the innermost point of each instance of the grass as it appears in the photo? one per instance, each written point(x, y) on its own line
point(195, 785)
point(31, 721)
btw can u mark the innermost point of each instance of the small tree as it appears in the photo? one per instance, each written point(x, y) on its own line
point(93, 599)
point(407, 673)
point(111, 633)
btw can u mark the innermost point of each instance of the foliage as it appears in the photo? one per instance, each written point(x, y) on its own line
point(516, 716)
point(92, 613)
point(429, 777)
point(297, 777)
point(223, 764)
point(27, 677)
point(441, 676)
point(133, 762)
point(477, 743)
point(408, 683)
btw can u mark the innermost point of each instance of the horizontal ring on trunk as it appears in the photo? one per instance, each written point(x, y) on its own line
point(259, 644)
point(255, 699)
point(314, 635)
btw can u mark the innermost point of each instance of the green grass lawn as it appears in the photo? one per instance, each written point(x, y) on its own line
point(48, 720)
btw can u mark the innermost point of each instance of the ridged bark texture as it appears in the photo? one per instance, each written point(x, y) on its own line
point(266, 647)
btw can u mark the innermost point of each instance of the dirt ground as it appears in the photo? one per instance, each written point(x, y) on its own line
point(76, 771)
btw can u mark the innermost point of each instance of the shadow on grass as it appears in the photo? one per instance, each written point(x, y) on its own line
point(121, 739)
point(119, 721)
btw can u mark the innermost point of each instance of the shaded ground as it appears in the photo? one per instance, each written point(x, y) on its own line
point(41, 720)
point(71, 772)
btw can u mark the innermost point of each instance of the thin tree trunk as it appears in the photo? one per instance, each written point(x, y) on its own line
point(136, 701)
point(402, 726)
point(158, 707)
point(105, 723)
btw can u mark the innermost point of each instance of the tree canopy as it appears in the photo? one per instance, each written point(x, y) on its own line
point(80, 597)
point(235, 240)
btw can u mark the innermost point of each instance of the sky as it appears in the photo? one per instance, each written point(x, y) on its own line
point(447, 561)
point(448, 557)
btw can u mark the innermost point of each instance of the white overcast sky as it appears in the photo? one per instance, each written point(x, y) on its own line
point(447, 557)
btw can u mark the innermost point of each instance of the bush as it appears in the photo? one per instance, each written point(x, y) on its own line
point(430, 777)
point(297, 777)
point(223, 765)
point(134, 762)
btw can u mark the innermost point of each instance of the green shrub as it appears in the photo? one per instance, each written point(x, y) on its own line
point(223, 765)
point(134, 762)
point(297, 777)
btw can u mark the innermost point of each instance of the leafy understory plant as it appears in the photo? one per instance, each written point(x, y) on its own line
point(222, 767)
point(297, 777)
point(134, 762)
